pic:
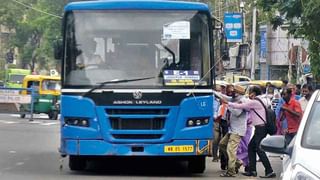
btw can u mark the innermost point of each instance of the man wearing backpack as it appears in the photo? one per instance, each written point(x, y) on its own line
point(256, 109)
point(292, 112)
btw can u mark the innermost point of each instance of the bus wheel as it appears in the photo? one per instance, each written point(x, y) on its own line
point(77, 163)
point(53, 115)
point(197, 164)
point(22, 115)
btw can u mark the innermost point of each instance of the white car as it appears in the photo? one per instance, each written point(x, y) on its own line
point(302, 155)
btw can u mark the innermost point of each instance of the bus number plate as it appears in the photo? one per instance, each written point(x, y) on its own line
point(178, 149)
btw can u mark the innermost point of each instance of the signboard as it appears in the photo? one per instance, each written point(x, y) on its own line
point(181, 78)
point(9, 96)
point(177, 30)
point(233, 27)
point(306, 68)
point(263, 45)
point(10, 100)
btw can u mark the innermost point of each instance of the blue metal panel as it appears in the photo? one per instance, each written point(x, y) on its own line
point(78, 107)
point(195, 107)
point(136, 4)
point(174, 127)
point(75, 132)
point(70, 147)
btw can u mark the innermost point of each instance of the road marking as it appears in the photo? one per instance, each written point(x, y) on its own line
point(35, 122)
point(19, 163)
point(44, 116)
point(39, 122)
point(49, 124)
point(8, 122)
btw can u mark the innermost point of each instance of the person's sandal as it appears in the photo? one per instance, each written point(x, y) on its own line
point(227, 175)
point(238, 166)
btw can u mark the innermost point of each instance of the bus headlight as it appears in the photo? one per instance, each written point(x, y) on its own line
point(192, 122)
point(75, 121)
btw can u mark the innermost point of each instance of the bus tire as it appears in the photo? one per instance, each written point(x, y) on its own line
point(22, 116)
point(197, 164)
point(77, 163)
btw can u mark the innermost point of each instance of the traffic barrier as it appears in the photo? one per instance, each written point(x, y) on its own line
point(11, 100)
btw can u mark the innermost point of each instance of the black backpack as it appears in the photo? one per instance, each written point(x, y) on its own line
point(271, 125)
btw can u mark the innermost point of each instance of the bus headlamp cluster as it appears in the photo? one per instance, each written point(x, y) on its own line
point(197, 121)
point(76, 121)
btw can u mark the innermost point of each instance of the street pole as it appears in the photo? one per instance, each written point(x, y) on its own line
point(253, 51)
point(243, 21)
point(299, 60)
point(289, 61)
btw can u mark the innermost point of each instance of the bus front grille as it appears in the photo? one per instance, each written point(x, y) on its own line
point(140, 121)
point(137, 124)
point(137, 136)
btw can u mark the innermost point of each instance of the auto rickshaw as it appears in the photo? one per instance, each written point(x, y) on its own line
point(46, 95)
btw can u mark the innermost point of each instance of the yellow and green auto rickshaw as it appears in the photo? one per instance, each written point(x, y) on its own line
point(46, 95)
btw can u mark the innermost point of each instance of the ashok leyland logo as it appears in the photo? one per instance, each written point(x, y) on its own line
point(137, 95)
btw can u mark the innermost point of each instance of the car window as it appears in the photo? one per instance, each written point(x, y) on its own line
point(312, 129)
point(243, 79)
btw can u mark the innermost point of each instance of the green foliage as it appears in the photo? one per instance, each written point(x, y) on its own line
point(35, 29)
point(302, 20)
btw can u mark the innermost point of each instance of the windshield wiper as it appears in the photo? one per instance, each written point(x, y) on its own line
point(115, 81)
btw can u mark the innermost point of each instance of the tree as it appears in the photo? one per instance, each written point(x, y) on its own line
point(302, 20)
point(36, 24)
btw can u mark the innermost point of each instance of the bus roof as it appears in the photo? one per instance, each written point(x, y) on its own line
point(136, 4)
point(41, 77)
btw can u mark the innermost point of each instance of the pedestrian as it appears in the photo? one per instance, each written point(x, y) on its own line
point(298, 89)
point(218, 113)
point(237, 122)
point(282, 125)
point(242, 152)
point(227, 93)
point(306, 93)
point(255, 107)
point(292, 111)
point(284, 84)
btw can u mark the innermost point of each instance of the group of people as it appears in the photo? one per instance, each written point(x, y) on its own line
point(240, 125)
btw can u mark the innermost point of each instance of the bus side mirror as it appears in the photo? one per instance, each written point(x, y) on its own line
point(217, 26)
point(224, 48)
point(57, 49)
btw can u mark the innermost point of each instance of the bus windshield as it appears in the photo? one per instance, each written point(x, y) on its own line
point(104, 45)
point(16, 78)
point(53, 85)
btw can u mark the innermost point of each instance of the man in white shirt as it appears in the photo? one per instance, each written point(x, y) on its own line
point(237, 120)
point(307, 91)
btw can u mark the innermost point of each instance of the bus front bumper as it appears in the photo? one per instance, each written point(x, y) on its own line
point(103, 148)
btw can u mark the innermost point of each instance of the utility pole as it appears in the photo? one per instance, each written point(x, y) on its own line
point(298, 61)
point(218, 37)
point(289, 60)
point(243, 21)
point(253, 52)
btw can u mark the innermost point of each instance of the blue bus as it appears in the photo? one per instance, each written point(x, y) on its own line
point(137, 81)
